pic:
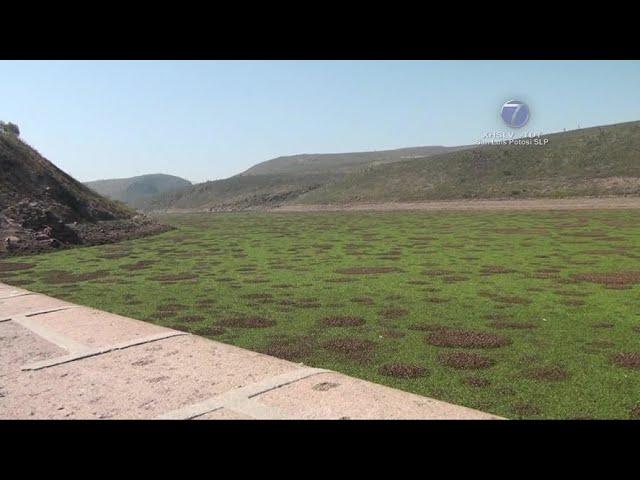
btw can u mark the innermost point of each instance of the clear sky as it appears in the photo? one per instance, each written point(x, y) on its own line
point(210, 120)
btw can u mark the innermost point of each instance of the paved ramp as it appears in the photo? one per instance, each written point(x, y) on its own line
point(59, 360)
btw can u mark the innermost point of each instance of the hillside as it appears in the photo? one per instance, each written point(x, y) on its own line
point(280, 180)
point(588, 162)
point(42, 207)
point(598, 161)
point(324, 163)
point(240, 192)
point(134, 190)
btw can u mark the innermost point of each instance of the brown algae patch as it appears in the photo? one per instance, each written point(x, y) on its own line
point(394, 313)
point(179, 277)
point(627, 360)
point(623, 278)
point(353, 348)
point(210, 331)
point(342, 321)
point(465, 360)
point(476, 382)
point(553, 373)
point(15, 266)
point(403, 370)
point(246, 322)
point(292, 348)
point(366, 270)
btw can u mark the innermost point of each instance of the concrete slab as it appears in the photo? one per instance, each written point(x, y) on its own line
point(83, 363)
point(12, 295)
point(95, 328)
point(83, 352)
point(19, 346)
point(49, 335)
point(237, 399)
point(25, 305)
point(8, 291)
point(136, 383)
point(333, 395)
point(225, 414)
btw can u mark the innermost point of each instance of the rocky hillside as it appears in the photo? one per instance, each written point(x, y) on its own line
point(41, 206)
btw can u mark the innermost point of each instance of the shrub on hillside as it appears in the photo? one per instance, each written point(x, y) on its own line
point(9, 127)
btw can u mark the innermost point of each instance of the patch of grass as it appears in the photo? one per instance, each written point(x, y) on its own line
point(513, 325)
point(456, 337)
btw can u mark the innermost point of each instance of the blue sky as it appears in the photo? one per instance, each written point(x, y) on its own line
point(209, 120)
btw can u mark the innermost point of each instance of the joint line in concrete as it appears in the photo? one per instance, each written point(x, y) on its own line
point(37, 312)
point(238, 398)
point(18, 294)
point(100, 351)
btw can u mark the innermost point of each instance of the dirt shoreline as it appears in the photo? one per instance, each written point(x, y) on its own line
point(607, 203)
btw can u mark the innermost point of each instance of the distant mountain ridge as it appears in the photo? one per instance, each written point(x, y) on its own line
point(331, 163)
point(281, 180)
point(596, 161)
point(238, 193)
point(134, 190)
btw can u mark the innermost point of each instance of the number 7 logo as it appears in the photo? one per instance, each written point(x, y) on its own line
point(515, 113)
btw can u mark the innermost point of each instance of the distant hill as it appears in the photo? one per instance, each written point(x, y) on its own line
point(239, 192)
point(133, 191)
point(588, 162)
point(594, 161)
point(281, 180)
point(41, 207)
point(332, 163)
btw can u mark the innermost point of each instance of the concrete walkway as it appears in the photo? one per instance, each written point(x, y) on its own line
point(59, 360)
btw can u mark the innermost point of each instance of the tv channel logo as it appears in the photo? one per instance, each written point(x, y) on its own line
point(515, 113)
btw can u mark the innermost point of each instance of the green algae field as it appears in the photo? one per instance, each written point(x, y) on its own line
point(521, 314)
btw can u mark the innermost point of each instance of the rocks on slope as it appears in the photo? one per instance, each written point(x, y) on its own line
point(41, 207)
